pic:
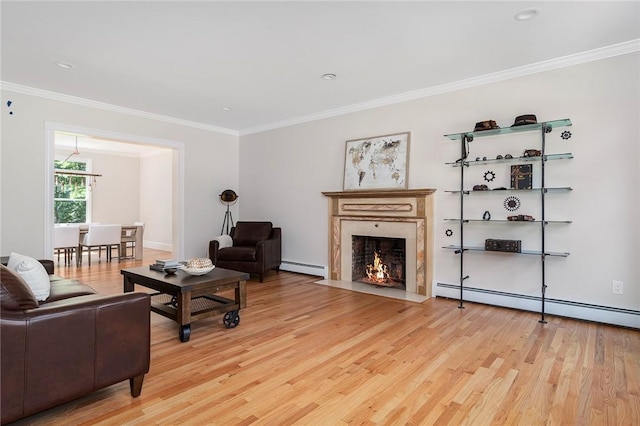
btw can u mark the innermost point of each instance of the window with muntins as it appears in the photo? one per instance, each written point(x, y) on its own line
point(72, 192)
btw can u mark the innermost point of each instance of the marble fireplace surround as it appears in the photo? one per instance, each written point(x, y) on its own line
point(406, 214)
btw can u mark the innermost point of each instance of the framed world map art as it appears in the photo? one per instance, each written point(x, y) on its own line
point(379, 162)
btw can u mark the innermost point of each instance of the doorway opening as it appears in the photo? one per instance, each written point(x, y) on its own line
point(142, 181)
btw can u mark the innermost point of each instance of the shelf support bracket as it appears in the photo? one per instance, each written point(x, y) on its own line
point(464, 153)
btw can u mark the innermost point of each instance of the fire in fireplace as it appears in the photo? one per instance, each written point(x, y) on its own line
point(379, 261)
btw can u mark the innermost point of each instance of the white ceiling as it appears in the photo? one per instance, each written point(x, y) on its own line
point(188, 60)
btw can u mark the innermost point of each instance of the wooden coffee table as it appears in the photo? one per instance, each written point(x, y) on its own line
point(183, 297)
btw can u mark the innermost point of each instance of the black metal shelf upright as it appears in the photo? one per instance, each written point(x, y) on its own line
point(463, 163)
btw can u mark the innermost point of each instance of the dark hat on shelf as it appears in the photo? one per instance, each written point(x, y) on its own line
point(485, 125)
point(522, 120)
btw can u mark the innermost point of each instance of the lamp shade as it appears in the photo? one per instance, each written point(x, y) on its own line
point(228, 196)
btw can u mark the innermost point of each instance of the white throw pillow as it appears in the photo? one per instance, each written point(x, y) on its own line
point(33, 273)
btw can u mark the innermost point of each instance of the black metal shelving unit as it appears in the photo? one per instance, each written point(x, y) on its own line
point(463, 162)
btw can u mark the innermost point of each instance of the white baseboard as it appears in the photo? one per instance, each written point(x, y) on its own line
point(158, 246)
point(304, 268)
point(564, 308)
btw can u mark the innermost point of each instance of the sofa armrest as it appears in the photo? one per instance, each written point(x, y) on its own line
point(214, 245)
point(48, 265)
point(269, 252)
point(66, 349)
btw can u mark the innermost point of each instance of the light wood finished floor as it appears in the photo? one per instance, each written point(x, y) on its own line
point(314, 355)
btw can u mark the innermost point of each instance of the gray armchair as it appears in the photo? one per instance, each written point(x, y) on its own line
point(256, 248)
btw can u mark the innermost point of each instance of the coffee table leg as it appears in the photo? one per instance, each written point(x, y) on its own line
point(184, 315)
point(185, 332)
point(241, 294)
point(128, 284)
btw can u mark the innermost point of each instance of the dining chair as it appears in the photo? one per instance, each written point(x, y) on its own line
point(129, 239)
point(100, 236)
point(66, 239)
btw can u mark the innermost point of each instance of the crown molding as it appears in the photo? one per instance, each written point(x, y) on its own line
point(538, 67)
point(26, 90)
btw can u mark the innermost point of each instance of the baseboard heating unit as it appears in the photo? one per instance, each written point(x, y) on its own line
point(564, 308)
point(304, 268)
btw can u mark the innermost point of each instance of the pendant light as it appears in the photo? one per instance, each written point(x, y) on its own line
point(75, 152)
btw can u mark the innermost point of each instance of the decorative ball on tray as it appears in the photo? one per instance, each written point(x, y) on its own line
point(198, 266)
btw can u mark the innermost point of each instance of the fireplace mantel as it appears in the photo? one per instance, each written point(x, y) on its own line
point(408, 212)
point(380, 193)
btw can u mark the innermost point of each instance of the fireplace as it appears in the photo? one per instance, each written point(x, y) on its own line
point(383, 216)
point(378, 261)
point(410, 231)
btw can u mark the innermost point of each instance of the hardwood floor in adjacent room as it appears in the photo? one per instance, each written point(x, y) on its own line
point(316, 355)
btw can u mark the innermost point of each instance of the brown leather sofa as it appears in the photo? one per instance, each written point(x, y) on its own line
point(72, 344)
point(257, 248)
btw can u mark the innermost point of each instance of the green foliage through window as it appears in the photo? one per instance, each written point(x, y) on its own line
point(70, 193)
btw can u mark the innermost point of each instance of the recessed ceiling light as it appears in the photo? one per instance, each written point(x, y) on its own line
point(227, 108)
point(65, 65)
point(525, 15)
point(329, 76)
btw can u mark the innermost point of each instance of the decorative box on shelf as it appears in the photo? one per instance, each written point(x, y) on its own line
point(522, 176)
point(511, 246)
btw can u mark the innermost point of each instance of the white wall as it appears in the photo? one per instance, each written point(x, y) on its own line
point(23, 168)
point(284, 171)
point(156, 189)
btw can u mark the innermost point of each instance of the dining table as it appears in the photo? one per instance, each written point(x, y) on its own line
point(139, 230)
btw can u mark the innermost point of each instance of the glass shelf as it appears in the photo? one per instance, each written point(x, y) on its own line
point(507, 221)
point(534, 252)
point(557, 189)
point(563, 156)
point(507, 130)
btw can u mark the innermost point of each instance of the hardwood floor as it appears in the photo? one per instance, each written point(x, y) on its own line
point(315, 355)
